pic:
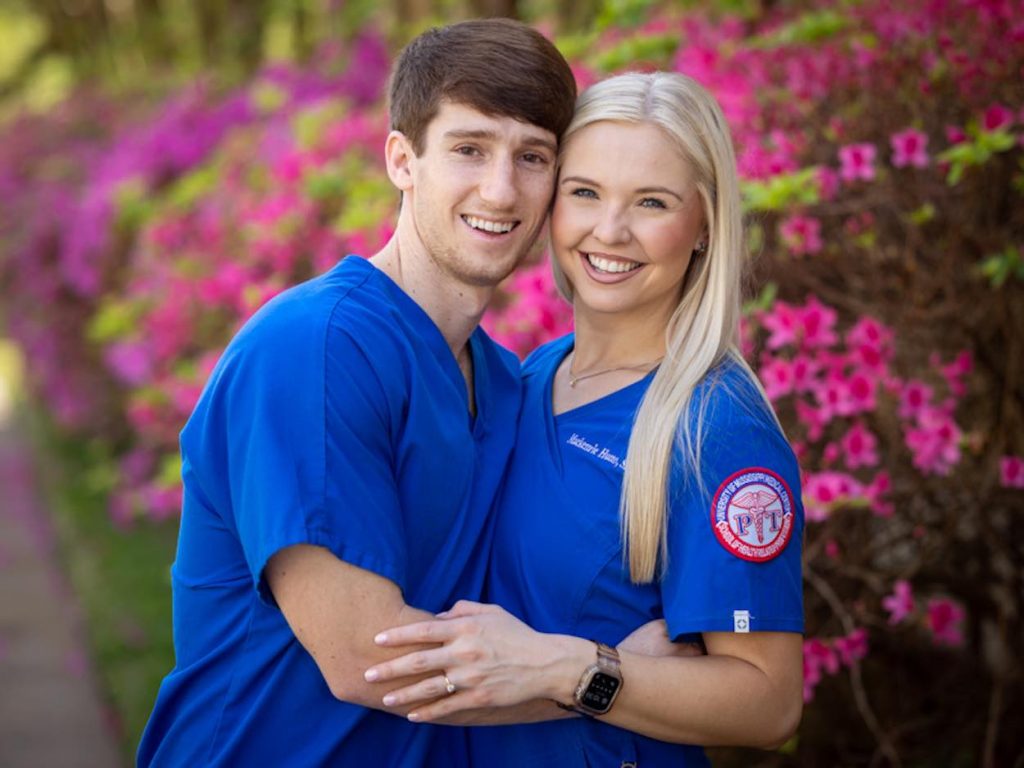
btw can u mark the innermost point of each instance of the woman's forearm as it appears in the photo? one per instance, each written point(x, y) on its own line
point(747, 691)
point(534, 711)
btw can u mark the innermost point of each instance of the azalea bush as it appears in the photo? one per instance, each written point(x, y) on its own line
point(881, 152)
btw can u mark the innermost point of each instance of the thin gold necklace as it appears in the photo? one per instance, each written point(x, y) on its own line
point(574, 379)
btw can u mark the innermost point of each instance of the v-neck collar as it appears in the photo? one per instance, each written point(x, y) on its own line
point(561, 350)
point(430, 334)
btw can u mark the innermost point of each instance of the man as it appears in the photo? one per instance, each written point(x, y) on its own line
point(341, 462)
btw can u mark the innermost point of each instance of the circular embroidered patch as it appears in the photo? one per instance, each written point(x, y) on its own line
point(752, 514)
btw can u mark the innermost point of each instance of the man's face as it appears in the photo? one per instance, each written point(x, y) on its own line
point(479, 192)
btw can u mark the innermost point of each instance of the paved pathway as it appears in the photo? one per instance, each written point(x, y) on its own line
point(50, 712)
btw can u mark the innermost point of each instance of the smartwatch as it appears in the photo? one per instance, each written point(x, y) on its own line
point(600, 683)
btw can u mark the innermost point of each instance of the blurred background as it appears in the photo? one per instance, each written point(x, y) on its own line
point(167, 166)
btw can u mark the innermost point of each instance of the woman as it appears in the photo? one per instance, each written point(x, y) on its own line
point(701, 526)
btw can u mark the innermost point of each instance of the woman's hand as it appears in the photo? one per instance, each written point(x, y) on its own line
point(490, 657)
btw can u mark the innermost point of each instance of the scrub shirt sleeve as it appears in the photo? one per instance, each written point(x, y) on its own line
point(268, 404)
point(734, 544)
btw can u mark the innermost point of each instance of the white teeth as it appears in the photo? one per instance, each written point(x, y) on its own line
point(607, 265)
point(498, 227)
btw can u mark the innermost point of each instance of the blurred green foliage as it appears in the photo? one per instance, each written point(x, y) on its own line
point(124, 590)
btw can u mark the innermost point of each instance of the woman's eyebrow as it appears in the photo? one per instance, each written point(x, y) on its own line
point(579, 180)
point(659, 190)
point(641, 191)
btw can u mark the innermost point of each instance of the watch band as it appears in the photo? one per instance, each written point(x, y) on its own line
point(608, 659)
point(599, 685)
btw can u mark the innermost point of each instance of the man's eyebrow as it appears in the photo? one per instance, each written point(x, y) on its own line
point(641, 191)
point(484, 134)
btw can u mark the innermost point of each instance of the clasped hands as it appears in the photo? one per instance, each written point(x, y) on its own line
point(486, 658)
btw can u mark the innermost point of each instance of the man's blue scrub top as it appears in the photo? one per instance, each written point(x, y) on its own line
point(557, 560)
point(337, 417)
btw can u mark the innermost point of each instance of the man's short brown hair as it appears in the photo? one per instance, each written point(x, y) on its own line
point(500, 67)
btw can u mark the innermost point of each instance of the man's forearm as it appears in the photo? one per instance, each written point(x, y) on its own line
point(335, 609)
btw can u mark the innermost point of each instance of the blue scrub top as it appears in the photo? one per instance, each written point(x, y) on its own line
point(337, 417)
point(557, 560)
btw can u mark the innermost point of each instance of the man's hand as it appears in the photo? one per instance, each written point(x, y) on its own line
point(652, 640)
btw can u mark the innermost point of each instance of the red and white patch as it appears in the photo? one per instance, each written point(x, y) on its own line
point(752, 514)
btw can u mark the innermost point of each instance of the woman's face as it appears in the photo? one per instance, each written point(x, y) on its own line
point(626, 219)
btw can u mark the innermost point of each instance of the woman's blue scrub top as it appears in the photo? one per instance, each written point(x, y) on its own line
point(557, 561)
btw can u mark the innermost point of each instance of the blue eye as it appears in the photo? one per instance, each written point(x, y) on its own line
point(652, 202)
point(584, 192)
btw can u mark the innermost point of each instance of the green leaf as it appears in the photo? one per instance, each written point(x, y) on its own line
point(922, 215)
point(1000, 267)
point(131, 204)
point(764, 300)
point(169, 473)
point(326, 183)
point(782, 191)
point(191, 187)
point(623, 14)
point(268, 97)
point(996, 141)
point(980, 147)
point(810, 28)
point(576, 46)
point(115, 319)
point(657, 49)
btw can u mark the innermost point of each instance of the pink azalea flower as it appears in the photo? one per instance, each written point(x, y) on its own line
point(857, 162)
point(129, 361)
point(909, 147)
point(161, 503)
point(900, 603)
point(830, 454)
point(863, 389)
point(833, 396)
point(955, 134)
point(859, 447)
point(828, 183)
point(915, 397)
point(804, 370)
point(818, 656)
point(823, 490)
point(876, 491)
point(1011, 471)
point(801, 234)
point(782, 324)
point(945, 618)
point(777, 376)
point(853, 647)
point(812, 418)
point(935, 442)
point(955, 372)
point(996, 117)
point(869, 332)
point(818, 323)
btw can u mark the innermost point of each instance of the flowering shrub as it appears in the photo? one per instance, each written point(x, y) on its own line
point(880, 149)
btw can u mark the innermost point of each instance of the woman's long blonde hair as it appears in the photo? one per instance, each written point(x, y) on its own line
point(704, 328)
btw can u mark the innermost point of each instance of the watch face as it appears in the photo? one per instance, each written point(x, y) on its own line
point(600, 692)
